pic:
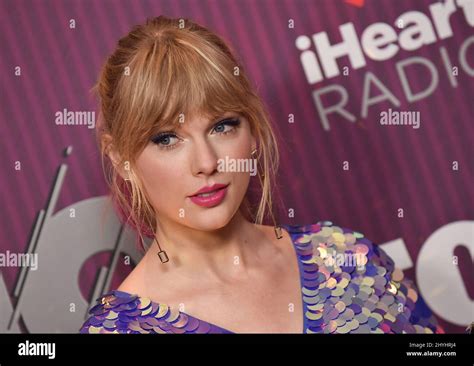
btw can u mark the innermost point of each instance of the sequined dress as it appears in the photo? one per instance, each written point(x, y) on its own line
point(348, 285)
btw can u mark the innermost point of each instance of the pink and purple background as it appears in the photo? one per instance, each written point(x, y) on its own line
point(390, 167)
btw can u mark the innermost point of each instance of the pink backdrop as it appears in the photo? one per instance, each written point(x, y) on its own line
point(391, 167)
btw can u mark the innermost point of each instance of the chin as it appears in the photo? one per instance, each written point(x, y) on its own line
point(212, 219)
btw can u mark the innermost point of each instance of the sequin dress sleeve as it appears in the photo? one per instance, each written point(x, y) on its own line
point(413, 315)
point(357, 289)
point(121, 312)
point(114, 313)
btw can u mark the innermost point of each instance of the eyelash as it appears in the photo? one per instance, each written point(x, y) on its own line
point(158, 139)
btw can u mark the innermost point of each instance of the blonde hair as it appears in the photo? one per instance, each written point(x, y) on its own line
point(160, 71)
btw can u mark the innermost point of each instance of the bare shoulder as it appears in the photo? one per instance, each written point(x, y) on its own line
point(133, 283)
point(269, 231)
point(147, 280)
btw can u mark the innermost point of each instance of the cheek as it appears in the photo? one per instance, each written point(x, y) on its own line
point(238, 146)
point(241, 182)
point(159, 177)
point(240, 179)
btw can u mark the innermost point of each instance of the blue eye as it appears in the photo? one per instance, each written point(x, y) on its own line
point(231, 122)
point(163, 140)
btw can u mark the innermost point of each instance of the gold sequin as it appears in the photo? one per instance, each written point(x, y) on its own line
point(397, 275)
point(93, 329)
point(331, 283)
point(174, 313)
point(340, 306)
point(162, 311)
point(112, 315)
point(392, 288)
point(338, 238)
point(323, 253)
point(106, 300)
point(314, 316)
point(144, 302)
point(338, 291)
point(368, 281)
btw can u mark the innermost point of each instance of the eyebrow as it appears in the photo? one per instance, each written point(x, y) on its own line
point(212, 121)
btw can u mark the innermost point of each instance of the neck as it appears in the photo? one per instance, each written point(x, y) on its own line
point(222, 255)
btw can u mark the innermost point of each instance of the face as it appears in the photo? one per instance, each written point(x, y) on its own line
point(177, 163)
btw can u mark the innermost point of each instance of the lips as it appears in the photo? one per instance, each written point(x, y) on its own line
point(210, 196)
point(204, 192)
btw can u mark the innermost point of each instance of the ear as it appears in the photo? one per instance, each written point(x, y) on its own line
point(109, 150)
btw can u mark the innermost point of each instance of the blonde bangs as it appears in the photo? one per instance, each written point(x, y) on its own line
point(170, 81)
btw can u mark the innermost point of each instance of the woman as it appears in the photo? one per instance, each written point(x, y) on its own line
point(184, 129)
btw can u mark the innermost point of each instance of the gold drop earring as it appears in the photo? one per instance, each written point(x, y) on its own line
point(161, 253)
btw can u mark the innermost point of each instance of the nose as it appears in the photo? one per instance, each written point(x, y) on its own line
point(204, 159)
